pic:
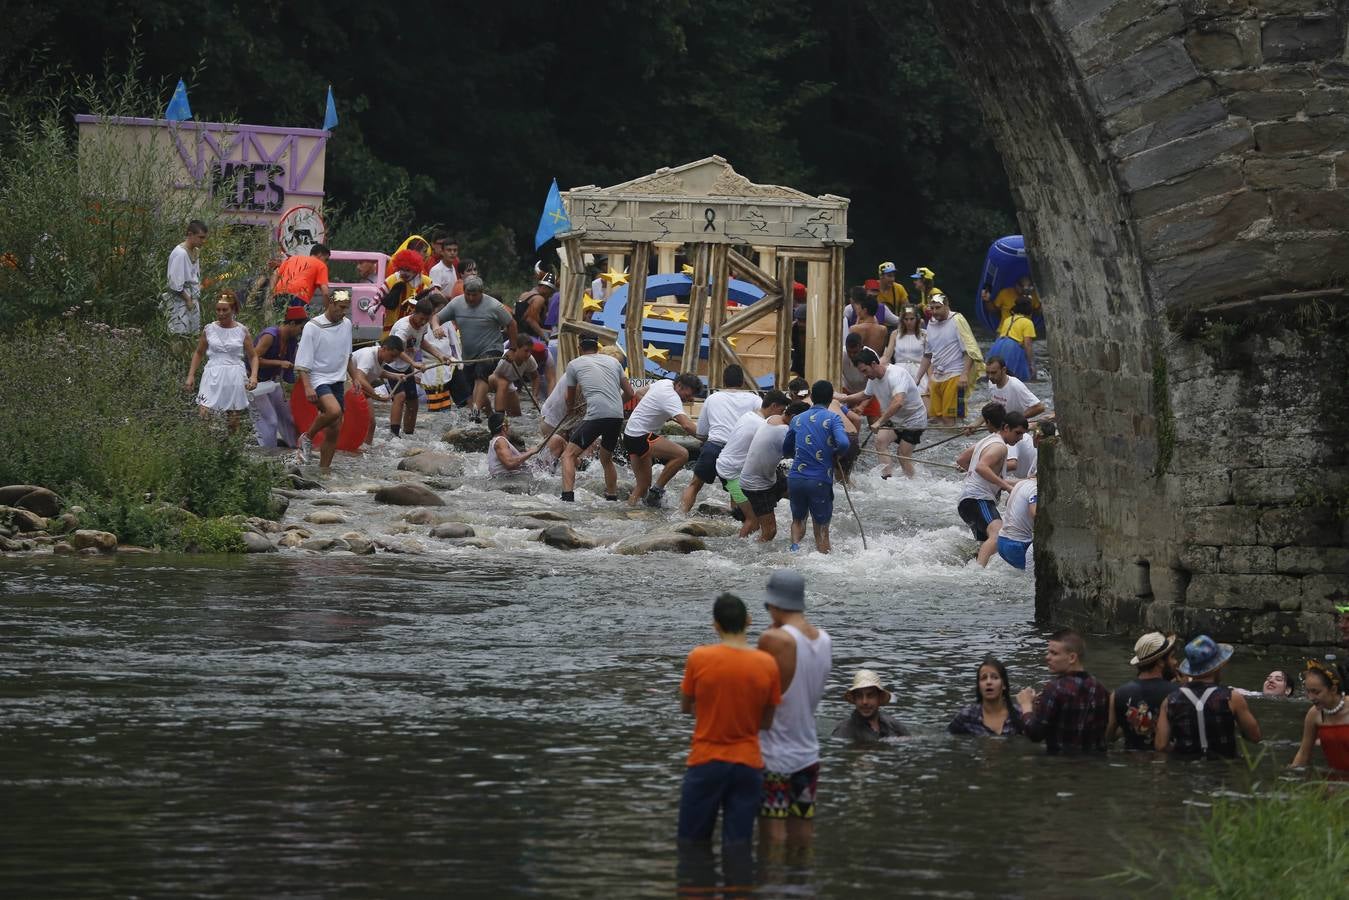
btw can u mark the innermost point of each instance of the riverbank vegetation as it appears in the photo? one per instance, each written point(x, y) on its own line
point(1280, 841)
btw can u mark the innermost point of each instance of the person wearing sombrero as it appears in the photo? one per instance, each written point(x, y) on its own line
point(1200, 719)
point(868, 723)
point(1135, 706)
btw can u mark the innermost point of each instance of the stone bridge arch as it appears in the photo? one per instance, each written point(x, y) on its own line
point(1181, 172)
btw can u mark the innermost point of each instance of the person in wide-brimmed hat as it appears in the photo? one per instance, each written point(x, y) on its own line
point(868, 723)
point(1135, 706)
point(1200, 719)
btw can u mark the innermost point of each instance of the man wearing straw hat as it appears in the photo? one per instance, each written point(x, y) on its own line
point(731, 689)
point(1200, 719)
point(791, 747)
point(868, 723)
point(1134, 707)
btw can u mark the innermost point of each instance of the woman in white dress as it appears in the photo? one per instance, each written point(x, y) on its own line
point(907, 342)
point(225, 382)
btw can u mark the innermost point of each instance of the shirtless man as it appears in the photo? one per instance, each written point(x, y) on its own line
point(873, 334)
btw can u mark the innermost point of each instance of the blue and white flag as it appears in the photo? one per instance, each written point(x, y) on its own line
point(330, 114)
point(178, 110)
point(554, 220)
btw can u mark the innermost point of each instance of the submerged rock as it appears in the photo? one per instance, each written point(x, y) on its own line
point(398, 545)
point(292, 539)
point(702, 529)
point(431, 517)
point(468, 438)
point(453, 530)
point(410, 494)
point(22, 520)
point(543, 515)
point(63, 548)
point(325, 517)
point(32, 498)
point(324, 544)
point(358, 543)
point(480, 543)
point(257, 543)
point(564, 537)
point(659, 542)
point(300, 483)
point(711, 509)
point(9, 545)
point(101, 541)
point(133, 550)
point(430, 462)
point(332, 501)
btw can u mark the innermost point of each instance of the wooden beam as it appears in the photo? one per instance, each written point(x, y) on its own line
point(813, 254)
point(608, 248)
point(573, 291)
point(583, 328)
point(786, 289)
point(727, 352)
point(716, 315)
point(748, 271)
point(632, 316)
point(702, 259)
point(751, 314)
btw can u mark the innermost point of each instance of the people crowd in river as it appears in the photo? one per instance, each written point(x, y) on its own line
point(756, 753)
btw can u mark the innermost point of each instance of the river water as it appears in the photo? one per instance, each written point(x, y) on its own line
point(484, 722)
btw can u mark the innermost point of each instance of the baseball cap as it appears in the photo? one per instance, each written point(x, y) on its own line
point(885, 268)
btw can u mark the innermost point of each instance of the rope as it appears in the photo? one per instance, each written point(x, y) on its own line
point(926, 462)
point(843, 479)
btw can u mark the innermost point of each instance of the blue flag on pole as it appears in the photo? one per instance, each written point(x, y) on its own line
point(554, 220)
point(330, 114)
point(178, 110)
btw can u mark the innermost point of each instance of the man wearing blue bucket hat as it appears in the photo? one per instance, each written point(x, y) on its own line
point(1200, 719)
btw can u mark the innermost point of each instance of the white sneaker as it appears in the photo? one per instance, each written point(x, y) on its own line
point(303, 450)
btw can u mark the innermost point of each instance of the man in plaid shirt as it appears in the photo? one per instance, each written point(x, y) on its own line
point(1071, 711)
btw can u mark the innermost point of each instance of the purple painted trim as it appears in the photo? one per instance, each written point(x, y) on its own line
point(86, 119)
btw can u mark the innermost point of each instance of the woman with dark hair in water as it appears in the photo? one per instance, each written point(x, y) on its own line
point(993, 711)
point(1328, 719)
point(503, 460)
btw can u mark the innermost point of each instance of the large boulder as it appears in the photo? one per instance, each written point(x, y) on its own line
point(453, 530)
point(704, 529)
point(32, 498)
point(430, 462)
point(102, 541)
point(468, 438)
point(292, 539)
point(257, 543)
point(324, 544)
point(659, 542)
point(564, 537)
point(358, 543)
point(8, 545)
point(325, 517)
point(411, 494)
point(22, 520)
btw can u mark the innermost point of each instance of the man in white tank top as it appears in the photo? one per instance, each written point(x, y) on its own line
point(791, 747)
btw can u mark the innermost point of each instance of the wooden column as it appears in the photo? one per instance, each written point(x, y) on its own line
point(767, 258)
point(838, 292)
point(665, 261)
point(818, 326)
point(702, 259)
point(786, 285)
point(632, 315)
point(716, 314)
point(569, 310)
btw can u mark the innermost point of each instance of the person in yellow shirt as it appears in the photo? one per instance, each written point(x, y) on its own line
point(1006, 299)
point(924, 286)
point(891, 293)
point(1016, 341)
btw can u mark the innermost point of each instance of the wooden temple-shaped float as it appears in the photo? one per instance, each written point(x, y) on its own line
point(747, 247)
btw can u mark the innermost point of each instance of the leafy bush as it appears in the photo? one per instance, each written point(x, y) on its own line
point(100, 416)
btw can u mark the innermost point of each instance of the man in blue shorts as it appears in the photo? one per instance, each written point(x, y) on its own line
point(814, 440)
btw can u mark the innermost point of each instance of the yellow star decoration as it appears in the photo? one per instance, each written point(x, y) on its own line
point(686, 269)
point(648, 310)
point(615, 278)
point(656, 354)
point(590, 304)
point(731, 341)
point(679, 315)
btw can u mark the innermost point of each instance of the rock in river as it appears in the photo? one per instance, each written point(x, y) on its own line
point(432, 463)
point(704, 529)
point(430, 517)
point(22, 520)
point(453, 530)
point(659, 542)
point(564, 537)
point(325, 517)
point(469, 438)
point(408, 495)
point(32, 498)
point(102, 541)
point(256, 543)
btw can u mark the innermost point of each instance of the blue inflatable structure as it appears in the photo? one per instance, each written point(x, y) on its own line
point(664, 332)
point(1006, 262)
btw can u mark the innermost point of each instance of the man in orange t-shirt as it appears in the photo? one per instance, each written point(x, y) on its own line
point(731, 689)
point(303, 276)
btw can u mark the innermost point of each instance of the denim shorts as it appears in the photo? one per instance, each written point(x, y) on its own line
point(338, 391)
point(807, 495)
point(705, 469)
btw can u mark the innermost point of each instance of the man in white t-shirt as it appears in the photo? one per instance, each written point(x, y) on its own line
point(950, 361)
point(761, 479)
point(322, 364)
point(657, 404)
point(444, 274)
point(721, 412)
point(182, 300)
point(903, 415)
point(368, 372)
point(411, 329)
point(1018, 529)
point(732, 457)
point(1011, 391)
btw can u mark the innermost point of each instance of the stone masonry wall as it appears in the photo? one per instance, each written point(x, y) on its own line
point(1176, 164)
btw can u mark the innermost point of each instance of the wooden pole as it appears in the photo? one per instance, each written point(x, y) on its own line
point(632, 316)
point(573, 291)
point(786, 287)
point(702, 259)
point(716, 316)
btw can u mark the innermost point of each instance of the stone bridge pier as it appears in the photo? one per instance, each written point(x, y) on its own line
point(1181, 171)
